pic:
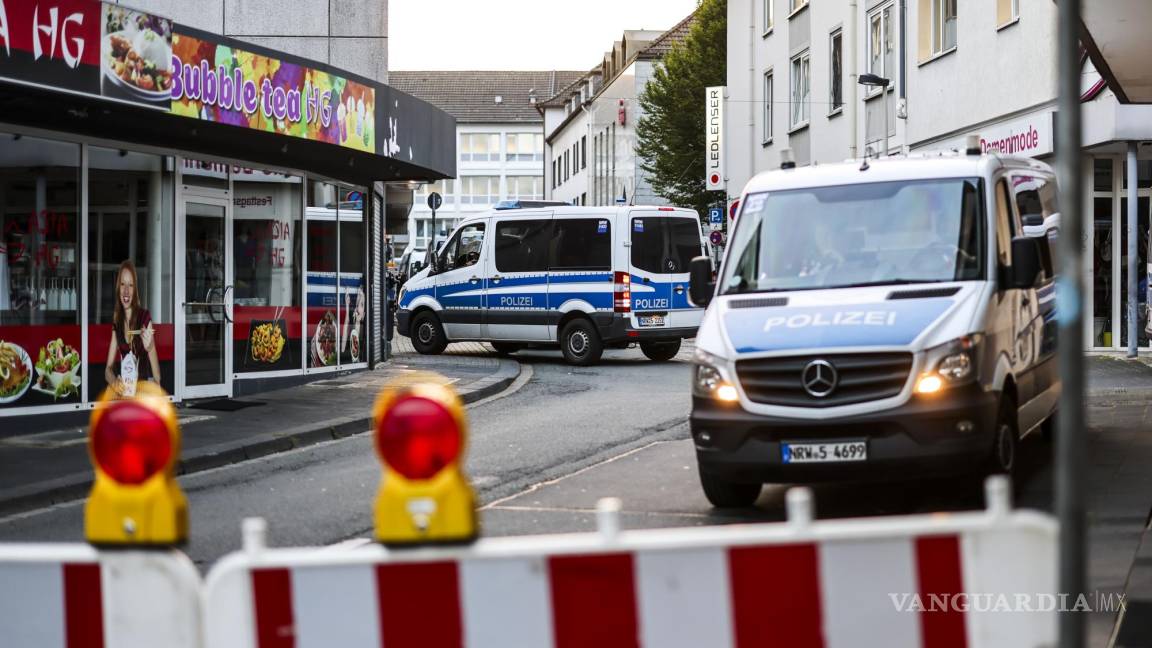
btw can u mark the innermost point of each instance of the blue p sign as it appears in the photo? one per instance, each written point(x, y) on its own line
point(715, 215)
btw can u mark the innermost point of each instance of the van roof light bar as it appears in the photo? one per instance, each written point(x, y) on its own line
point(973, 145)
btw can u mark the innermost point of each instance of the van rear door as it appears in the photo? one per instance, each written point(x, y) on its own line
point(663, 245)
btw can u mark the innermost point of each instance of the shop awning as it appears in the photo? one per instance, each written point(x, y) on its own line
point(1116, 34)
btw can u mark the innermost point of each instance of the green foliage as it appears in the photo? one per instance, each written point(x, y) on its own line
point(671, 132)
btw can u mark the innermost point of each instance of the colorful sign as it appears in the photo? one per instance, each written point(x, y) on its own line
point(223, 84)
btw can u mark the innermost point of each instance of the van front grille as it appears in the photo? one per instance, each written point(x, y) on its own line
point(860, 378)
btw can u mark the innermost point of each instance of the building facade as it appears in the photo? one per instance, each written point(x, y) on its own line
point(231, 196)
point(499, 143)
point(986, 67)
point(590, 126)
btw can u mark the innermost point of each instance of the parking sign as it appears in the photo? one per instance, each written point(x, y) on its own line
point(715, 215)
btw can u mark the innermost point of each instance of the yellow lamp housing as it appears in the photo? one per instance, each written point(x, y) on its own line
point(424, 497)
point(134, 444)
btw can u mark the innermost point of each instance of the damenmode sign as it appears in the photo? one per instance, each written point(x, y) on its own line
point(714, 139)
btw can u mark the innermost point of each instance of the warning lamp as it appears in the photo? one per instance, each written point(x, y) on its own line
point(420, 433)
point(134, 444)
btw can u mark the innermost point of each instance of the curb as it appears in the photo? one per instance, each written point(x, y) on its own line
point(73, 487)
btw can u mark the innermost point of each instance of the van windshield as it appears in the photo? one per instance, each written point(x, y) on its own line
point(844, 236)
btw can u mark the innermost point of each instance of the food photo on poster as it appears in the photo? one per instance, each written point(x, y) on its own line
point(136, 56)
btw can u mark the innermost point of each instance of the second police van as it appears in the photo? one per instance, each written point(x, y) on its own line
point(581, 278)
point(877, 319)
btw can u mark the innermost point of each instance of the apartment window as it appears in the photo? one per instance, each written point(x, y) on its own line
point(442, 187)
point(943, 25)
point(553, 174)
point(801, 88)
point(524, 147)
point(768, 106)
point(836, 92)
point(479, 147)
point(584, 152)
point(525, 188)
point(880, 51)
point(567, 165)
point(1007, 11)
point(769, 16)
point(797, 5)
point(479, 190)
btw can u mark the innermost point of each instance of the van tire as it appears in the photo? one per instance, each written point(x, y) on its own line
point(427, 334)
point(1005, 453)
point(725, 494)
point(505, 348)
point(580, 343)
point(660, 351)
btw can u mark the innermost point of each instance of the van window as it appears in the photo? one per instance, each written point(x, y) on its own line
point(1005, 225)
point(522, 245)
point(663, 245)
point(581, 244)
point(464, 248)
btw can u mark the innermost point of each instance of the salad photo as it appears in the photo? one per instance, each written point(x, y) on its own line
point(15, 372)
point(58, 369)
point(136, 53)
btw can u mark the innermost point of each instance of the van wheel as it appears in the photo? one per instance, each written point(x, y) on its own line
point(505, 348)
point(580, 343)
point(725, 494)
point(660, 351)
point(428, 335)
point(1005, 441)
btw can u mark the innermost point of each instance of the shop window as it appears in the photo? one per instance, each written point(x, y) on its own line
point(267, 246)
point(1142, 229)
point(522, 245)
point(1102, 174)
point(1143, 174)
point(581, 244)
point(1102, 250)
point(204, 174)
point(130, 247)
point(39, 272)
point(322, 310)
point(353, 284)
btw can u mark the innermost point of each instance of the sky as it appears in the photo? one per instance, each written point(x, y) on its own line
point(517, 34)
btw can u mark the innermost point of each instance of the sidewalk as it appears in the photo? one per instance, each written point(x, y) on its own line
point(48, 467)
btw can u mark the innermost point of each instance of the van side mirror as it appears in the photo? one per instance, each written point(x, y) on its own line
point(700, 286)
point(1025, 262)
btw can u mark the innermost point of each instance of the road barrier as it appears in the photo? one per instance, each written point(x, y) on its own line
point(956, 579)
point(897, 581)
point(74, 596)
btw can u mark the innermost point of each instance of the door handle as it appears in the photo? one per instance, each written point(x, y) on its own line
point(496, 278)
point(679, 290)
point(474, 279)
point(647, 280)
point(224, 304)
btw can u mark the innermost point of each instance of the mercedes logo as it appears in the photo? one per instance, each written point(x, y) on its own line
point(819, 378)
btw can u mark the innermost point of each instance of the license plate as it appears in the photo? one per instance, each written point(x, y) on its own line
point(650, 321)
point(833, 451)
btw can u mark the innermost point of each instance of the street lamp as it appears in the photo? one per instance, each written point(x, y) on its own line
point(877, 81)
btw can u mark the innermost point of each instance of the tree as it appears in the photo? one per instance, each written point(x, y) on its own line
point(671, 133)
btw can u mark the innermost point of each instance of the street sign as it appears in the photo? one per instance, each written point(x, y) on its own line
point(716, 237)
point(434, 201)
point(714, 155)
point(715, 215)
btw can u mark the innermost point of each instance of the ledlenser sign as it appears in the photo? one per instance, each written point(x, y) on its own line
point(714, 172)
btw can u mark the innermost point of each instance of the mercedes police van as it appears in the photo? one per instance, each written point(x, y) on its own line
point(877, 319)
point(581, 278)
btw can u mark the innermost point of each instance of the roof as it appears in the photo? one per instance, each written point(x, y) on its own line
point(669, 39)
point(470, 96)
point(561, 97)
point(941, 165)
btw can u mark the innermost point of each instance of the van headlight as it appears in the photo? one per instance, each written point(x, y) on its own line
point(400, 295)
point(950, 365)
point(709, 380)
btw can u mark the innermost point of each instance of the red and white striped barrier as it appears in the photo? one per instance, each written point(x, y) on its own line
point(862, 582)
point(74, 596)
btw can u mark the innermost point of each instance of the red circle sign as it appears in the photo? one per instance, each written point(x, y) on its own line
point(714, 178)
point(717, 237)
point(733, 208)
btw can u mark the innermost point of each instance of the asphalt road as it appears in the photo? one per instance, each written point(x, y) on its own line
point(539, 457)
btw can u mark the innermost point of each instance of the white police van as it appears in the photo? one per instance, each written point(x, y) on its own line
point(582, 278)
point(879, 319)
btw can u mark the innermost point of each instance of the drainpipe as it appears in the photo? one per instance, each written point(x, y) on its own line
point(1133, 251)
point(853, 74)
point(751, 104)
point(903, 70)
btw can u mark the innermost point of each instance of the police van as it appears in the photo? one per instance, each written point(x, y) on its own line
point(878, 319)
point(581, 278)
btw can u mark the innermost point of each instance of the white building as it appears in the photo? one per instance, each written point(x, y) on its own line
point(590, 125)
point(984, 67)
point(499, 142)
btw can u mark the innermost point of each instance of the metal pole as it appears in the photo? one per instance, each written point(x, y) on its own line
point(432, 243)
point(884, 89)
point(1133, 253)
point(1070, 435)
